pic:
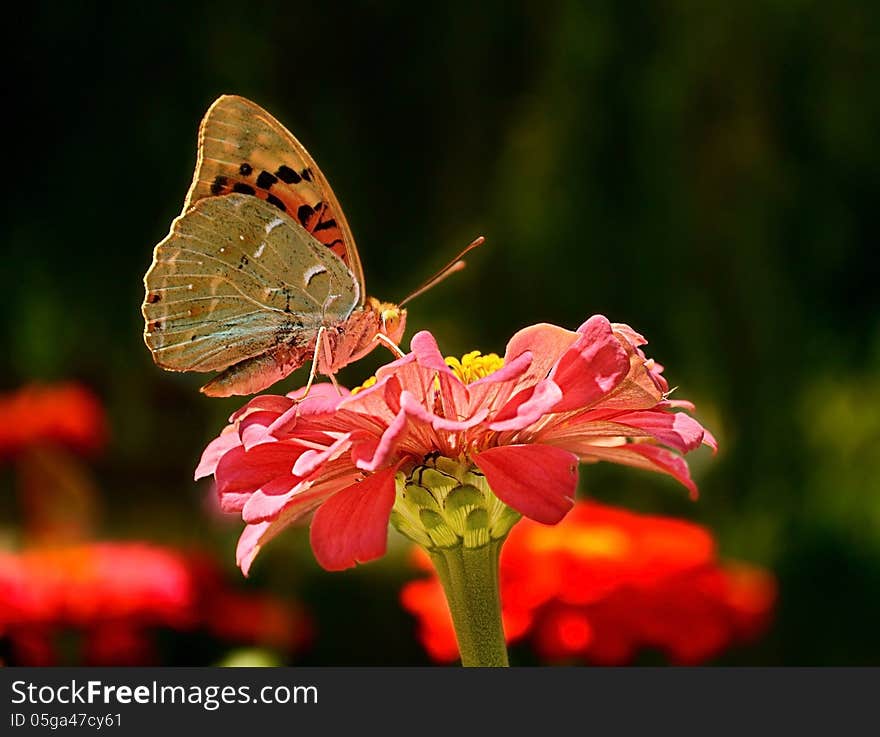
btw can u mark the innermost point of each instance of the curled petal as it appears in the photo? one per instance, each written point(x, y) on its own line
point(710, 441)
point(249, 545)
point(453, 393)
point(592, 367)
point(546, 343)
point(352, 525)
point(311, 459)
point(538, 481)
point(527, 407)
point(254, 428)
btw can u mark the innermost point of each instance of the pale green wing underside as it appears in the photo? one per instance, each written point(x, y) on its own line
point(235, 278)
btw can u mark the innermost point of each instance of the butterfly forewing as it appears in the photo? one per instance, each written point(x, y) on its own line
point(235, 278)
point(243, 149)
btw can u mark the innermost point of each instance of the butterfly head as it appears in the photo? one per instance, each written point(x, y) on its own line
point(391, 318)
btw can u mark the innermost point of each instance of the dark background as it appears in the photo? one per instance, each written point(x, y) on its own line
point(707, 172)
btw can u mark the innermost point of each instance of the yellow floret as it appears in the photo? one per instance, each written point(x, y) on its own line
point(474, 366)
point(366, 385)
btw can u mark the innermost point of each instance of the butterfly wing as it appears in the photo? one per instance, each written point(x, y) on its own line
point(235, 279)
point(243, 149)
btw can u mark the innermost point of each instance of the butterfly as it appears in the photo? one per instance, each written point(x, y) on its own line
point(260, 272)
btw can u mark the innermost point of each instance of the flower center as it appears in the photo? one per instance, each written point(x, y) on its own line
point(474, 365)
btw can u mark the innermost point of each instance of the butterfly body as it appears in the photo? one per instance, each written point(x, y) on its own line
point(260, 271)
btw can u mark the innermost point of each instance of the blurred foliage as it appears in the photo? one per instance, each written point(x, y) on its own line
point(704, 171)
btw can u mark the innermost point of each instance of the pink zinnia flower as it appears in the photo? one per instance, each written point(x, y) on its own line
point(520, 425)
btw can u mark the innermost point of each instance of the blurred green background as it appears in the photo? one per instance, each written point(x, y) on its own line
point(704, 171)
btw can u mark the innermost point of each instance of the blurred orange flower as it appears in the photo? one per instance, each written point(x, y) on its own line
point(115, 595)
point(55, 414)
point(605, 583)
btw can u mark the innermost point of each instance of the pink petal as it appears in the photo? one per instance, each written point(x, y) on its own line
point(427, 352)
point(493, 391)
point(628, 334)
point(546, 343)
point(267, 501)
point(280, 503)
point(263, 403)
point(676, 429)
point(537, 480)
point(381, 450)
point(414, 408)
point(640, 455)
point(254, 428)
point(370, 402)
point(592, 367)
point(709, 440)
point(311, 460)
point(215, 450)
point(527, 407)
point(352, 525)
point(232, 501)
point(249, 545)
point(453, 393)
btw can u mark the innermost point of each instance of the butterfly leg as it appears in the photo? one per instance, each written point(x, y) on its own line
point(328, 355)
point(313, 372)
point(392, 346)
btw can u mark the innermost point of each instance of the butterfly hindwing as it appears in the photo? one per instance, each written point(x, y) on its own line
point(236, 278)
point(244, 149)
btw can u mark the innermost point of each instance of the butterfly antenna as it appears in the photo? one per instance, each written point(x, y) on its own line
point(451, 268)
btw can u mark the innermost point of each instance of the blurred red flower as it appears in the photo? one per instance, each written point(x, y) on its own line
point(557, 398)
point(115, 595)
point(56, 414)
point(606, 583)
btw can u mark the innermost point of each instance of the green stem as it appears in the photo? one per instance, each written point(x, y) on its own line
point(470, 580)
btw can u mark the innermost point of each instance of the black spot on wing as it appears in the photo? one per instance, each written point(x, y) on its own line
point(307, 174)
point(288, 175)
point(266, 180)
point(273, 200)
point(153, 297)
point(246, 169)
point(218, 185)
point(303, 213)
point(243, 188)
point(325, 224)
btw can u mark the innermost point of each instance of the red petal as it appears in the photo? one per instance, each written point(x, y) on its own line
point(537, 480)
point(352, 525)
point(246, 471)
point(592, 367)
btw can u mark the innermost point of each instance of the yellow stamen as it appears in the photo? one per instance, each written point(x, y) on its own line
point(366, 385)
point(474, 365)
